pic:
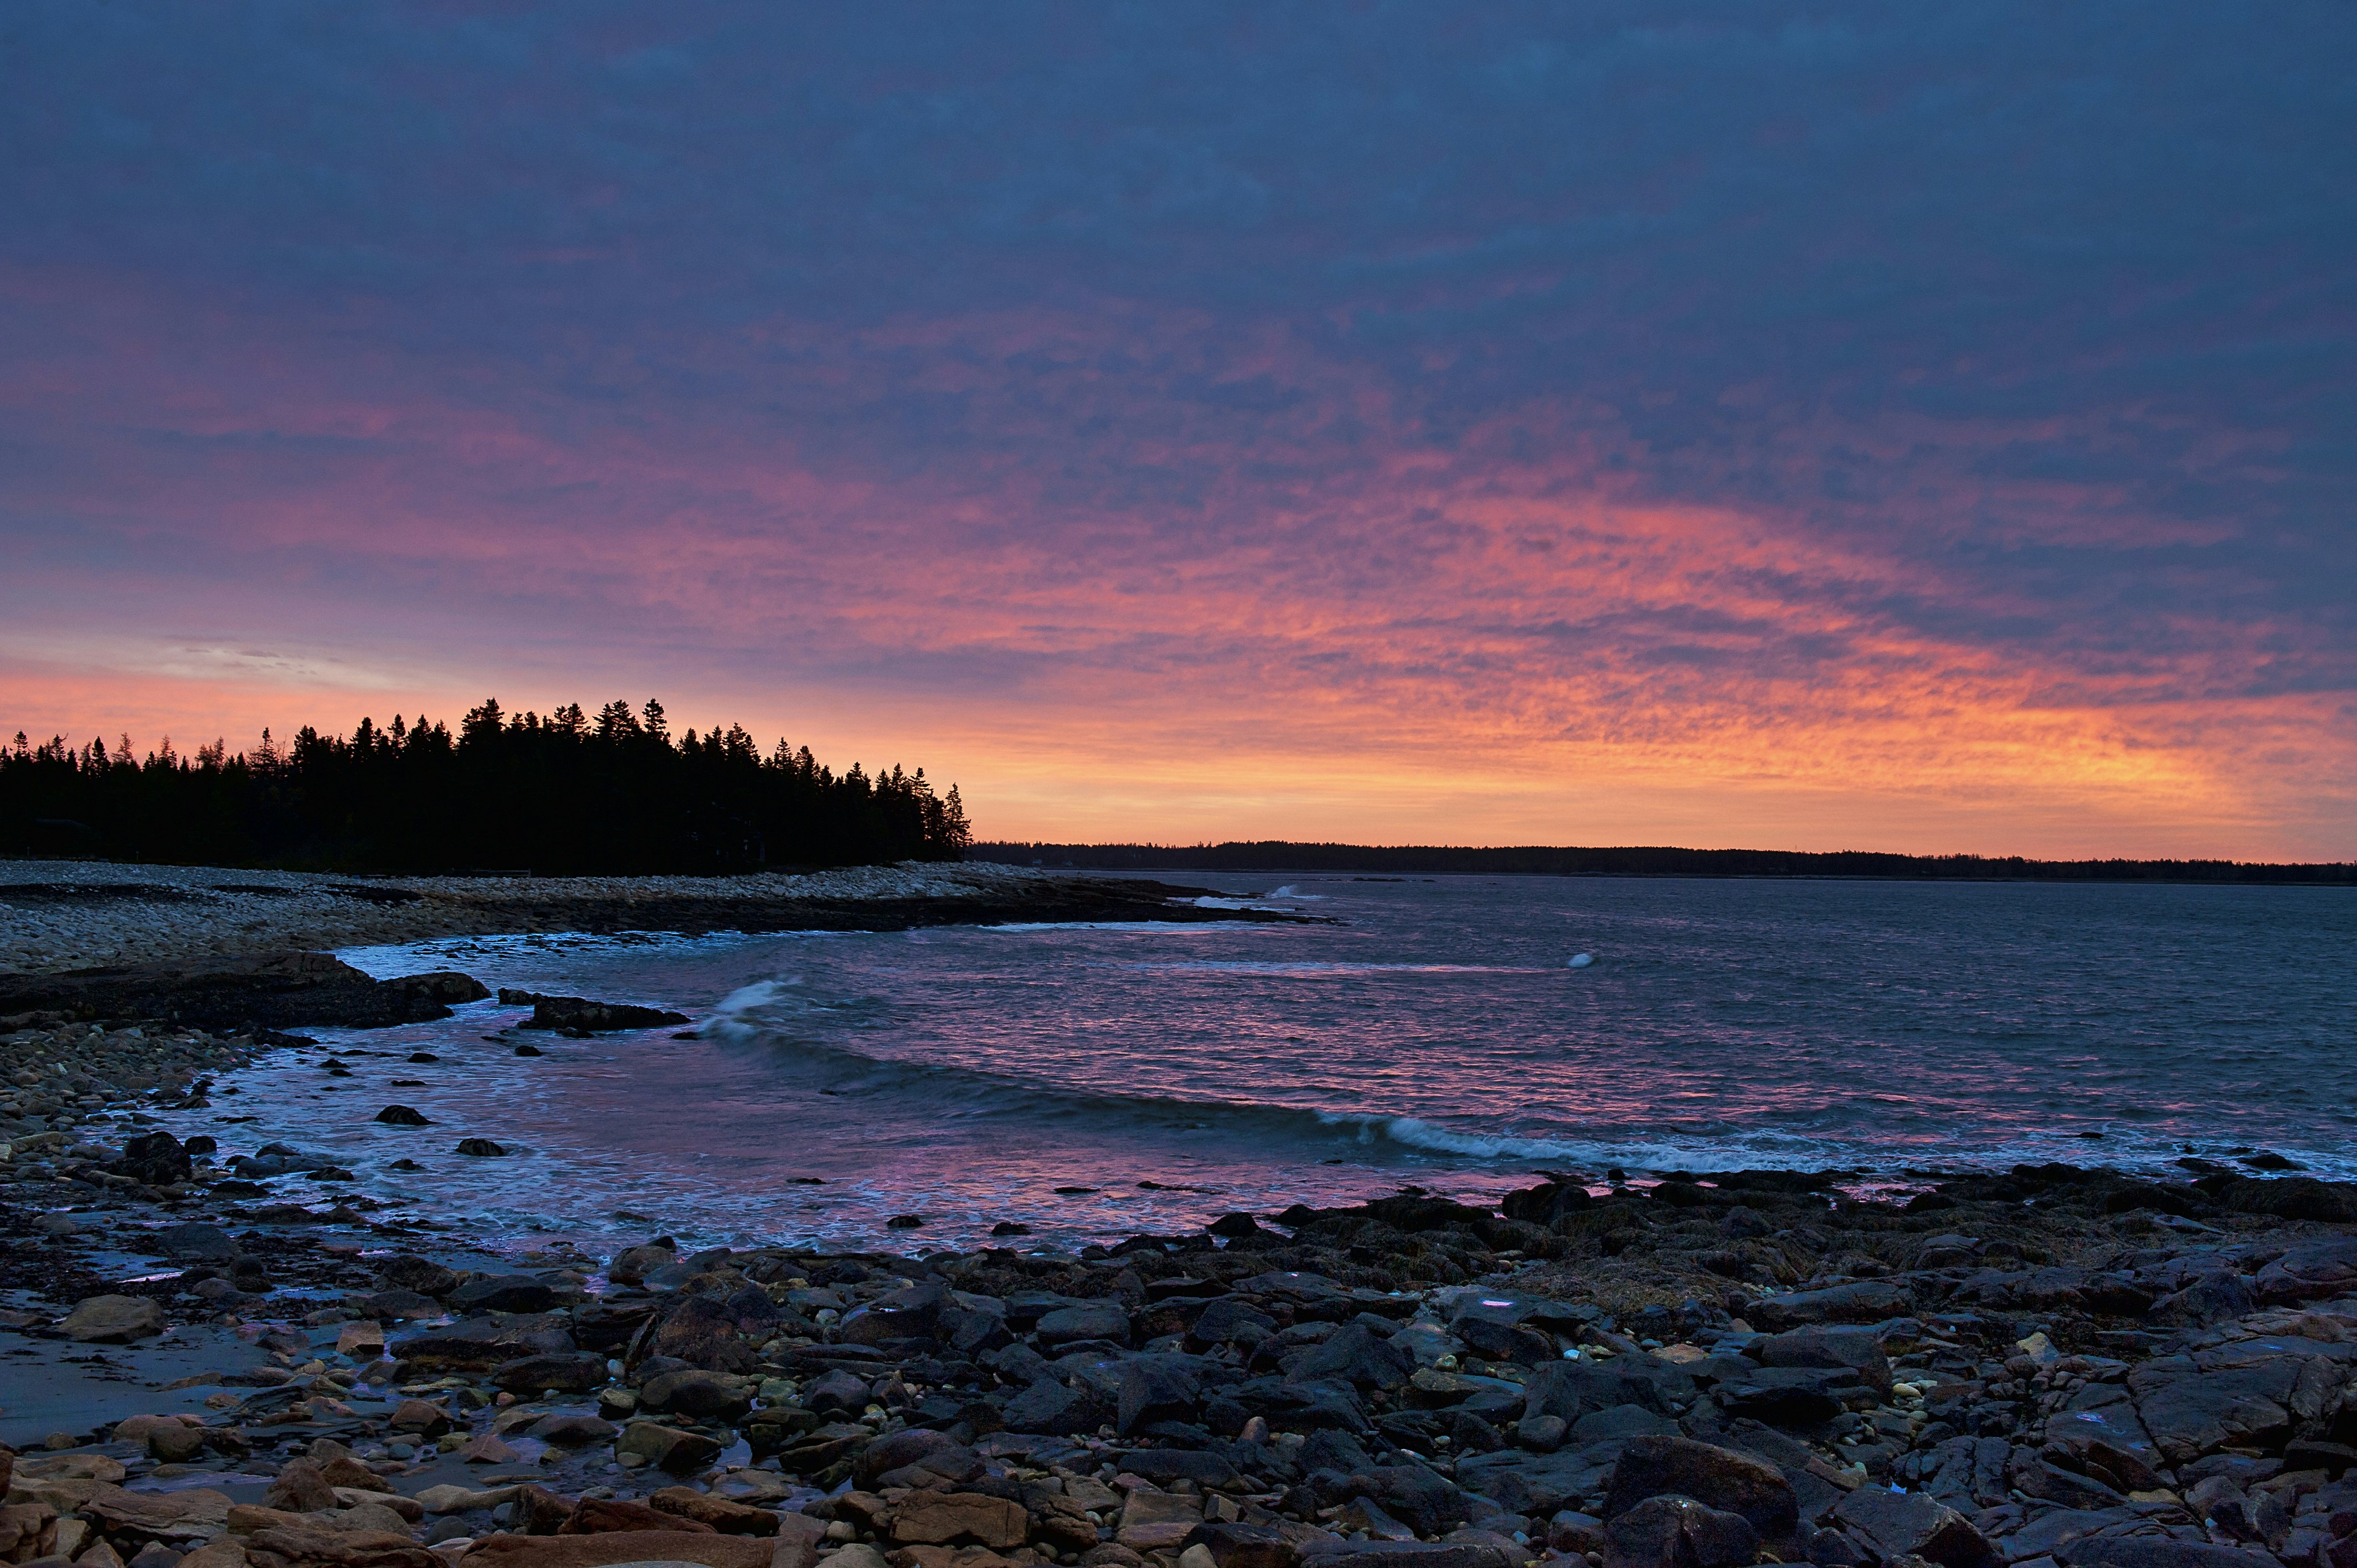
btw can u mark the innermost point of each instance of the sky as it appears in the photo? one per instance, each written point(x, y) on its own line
point(1906, 428)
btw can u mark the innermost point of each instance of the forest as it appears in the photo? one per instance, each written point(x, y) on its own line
point(613, 792)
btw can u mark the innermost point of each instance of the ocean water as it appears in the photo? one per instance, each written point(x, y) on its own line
point(1092, 1083)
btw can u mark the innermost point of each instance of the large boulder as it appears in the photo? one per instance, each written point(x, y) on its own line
point(1720, 1477)
point(1679, 1532)
point(911, 1314)
point(1866, 1301)
point(2313, 1269)
point(2190, 1411)
point(1089, 1320)
point(1854, 1350)
point(1901, 1524)
point(113, 1320)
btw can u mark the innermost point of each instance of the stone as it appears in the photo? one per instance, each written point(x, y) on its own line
point(696, 1393)
point(572, 1429)
point(666, 1447)
point(1538, 1484)
point(113, 1320)
point(1900, 1524)
point(1620, 1420)
point(481, 1148)
point(1866, 1301)
point(650, 1546)
point(837, 1391)
point(1355, 1355)
point(1153, 1521)
point(1679, 1532)
point(897, 1451)
point(716, 1513)
point(608, 1515)
point(2313, 1269)
point(300, 1488)
point(408, 1271)
point(419, 1419)
point(1156, 1388)
point(1833, 1348)
point(502, 1292)
point(1052, 1409)
point(2148, 1552)
point(402, 1116)
point(2190, 1412)
point(1241, 1546)
point(567, 1373)
point(1541, 1434)
point(911, 1314)
point(1718, 1477)
point(196, 1242)
point(1090, 1320)
point(936, 1518)
point(444, 1499)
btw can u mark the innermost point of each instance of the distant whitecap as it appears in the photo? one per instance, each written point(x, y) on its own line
point(1582, 960)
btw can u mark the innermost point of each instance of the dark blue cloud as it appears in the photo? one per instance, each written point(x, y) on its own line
point(2054, 302)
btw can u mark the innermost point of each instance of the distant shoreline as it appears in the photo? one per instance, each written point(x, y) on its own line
point(59, 916)
point(1284, 857)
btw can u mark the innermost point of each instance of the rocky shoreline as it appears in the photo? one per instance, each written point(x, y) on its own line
point(217, 1357)
point(2054, 1367)
point(62, 916)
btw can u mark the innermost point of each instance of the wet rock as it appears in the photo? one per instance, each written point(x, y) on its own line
point(696, 1393)
point(196, 1242)
point(570, 1429)
point(407, 1271)
point(589, 1017)
point(666, 1447)
point(1679, 1532)
point(155, 1158)
point(1720, 1477)
point(502, 1292)
point(562, 1373)
point(402, 1116)
point(113, 1320)
point(1545, 1204)
point(703, 1333)
point(481, 1148)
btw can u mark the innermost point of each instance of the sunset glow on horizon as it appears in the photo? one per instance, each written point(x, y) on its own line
point(1843, 429)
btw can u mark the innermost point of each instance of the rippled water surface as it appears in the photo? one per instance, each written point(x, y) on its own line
point(1091, 1082)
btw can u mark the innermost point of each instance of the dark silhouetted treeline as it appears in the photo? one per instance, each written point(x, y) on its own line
point(574, 793)
point(1274, 856)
